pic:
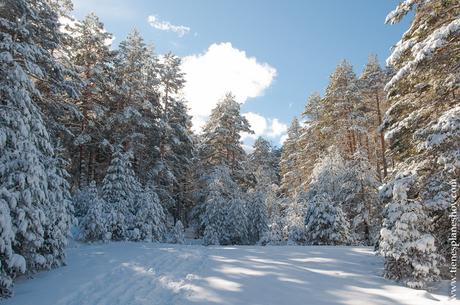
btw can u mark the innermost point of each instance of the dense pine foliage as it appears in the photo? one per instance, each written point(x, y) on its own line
point(368, 163)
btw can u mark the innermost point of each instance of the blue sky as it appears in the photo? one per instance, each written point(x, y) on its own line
point(274, 54)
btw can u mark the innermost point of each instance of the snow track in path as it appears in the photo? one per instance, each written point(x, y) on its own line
point(162, 274)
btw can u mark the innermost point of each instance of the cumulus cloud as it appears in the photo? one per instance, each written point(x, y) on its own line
point(162, 25)
point(220, 69)
point(264, 127)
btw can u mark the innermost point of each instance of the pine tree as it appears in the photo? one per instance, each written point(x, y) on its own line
point(150, 220)
point(134, 119)
point(89, 52)
point(221, 137)
point(295, 221)
point(177, 233)
point(409, 251)
point(344, 113)
point(257, 215)
point(361, 203)
point(29, 180)
point(276, 206)
point(176, 142)
point(421, 124)
point(92, 225)
point(211, 237)
point(311, 140)
point(263, 163)
point(291, 178)
point(119, 189)
point(372, 82)
point(325, 222)
point(236, 222)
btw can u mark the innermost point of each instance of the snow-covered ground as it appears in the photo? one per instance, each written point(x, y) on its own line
point(145, 273)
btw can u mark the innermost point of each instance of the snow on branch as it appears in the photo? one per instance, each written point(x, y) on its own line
point(421, 50)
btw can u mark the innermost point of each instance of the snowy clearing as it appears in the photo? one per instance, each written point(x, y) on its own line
point(128, 273)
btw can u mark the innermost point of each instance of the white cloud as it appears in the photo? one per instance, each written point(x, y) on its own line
point(265, 127)
point(161, 25)
point(220, 69)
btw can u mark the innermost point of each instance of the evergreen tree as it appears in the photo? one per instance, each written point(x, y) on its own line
point(263, 162)
point(92, 224)
point(295, 221)
point(372, 82)
point(344, 116)
point(177, 233)
point(311, 140)
point(119, 189)
point(257, 215)
point(150, 220)
point(291, 179)
point(361, 203)
point(422, 128)
point(409, 250)
point(211, 237)
point(30, 183)
point(134, 117)
point(325, 222)
point(89, 52)
point(221, 137)
point(236, 222)
point(176, 141)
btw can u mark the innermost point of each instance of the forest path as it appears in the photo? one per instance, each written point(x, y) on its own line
point(127, 273)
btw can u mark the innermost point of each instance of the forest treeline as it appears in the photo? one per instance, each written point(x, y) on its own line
point(99, 139)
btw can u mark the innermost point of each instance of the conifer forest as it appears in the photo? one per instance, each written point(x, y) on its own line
point(109, 194)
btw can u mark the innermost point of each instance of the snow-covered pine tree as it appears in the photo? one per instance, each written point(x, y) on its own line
point(311, 142)
point(90, 53)
point(210, 237)
point(29, 180)
point(263, 163)
point(344, 118)
point(150, 220)
point(328, 177)
point(6, 240)
point(275, 206)
point(134, 118)
point(371, 85)
point(176, 141)
point(422, 125)
point(257, 215)
point(220, 145)
point(325, 222)
point(236, 222)
point(81, 201)
point(216, 203)
point(291, 178)
point(177, 233)
point(224, 208)
point(59, 211)
point(93, 223)
point(361, 203)
point(295, 220)
point(410, 253)
point(119, 190)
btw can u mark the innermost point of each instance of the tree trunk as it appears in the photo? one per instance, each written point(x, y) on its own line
point(382, 138)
